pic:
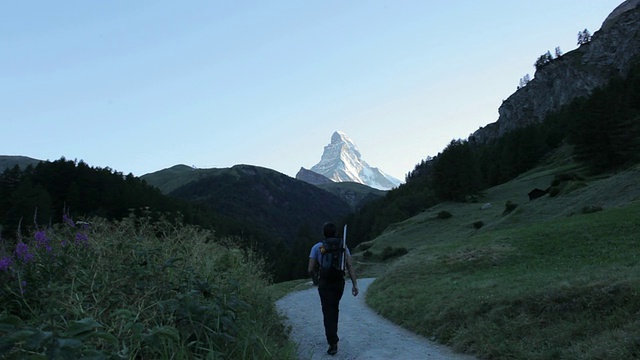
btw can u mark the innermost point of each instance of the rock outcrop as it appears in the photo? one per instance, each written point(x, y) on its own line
point(612, 51)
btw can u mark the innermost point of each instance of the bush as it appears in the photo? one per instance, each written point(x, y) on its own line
point(478, 224)
point(444, 215)
point(509, 206)
point(564, 177)
point(554, 191)
point(135, 289)
point(367, 254)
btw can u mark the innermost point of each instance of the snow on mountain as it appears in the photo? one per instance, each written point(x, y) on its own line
point(341, 162)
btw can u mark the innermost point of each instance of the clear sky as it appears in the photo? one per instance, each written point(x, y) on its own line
point(139, 86)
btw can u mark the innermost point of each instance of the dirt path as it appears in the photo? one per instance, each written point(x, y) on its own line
point(363, 333)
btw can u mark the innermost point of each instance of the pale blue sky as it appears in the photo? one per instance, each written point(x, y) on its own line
point(139, 86)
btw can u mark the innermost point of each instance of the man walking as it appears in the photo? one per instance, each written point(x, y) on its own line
point(330, 260)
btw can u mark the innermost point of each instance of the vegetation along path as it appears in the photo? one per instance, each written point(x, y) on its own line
point(363, 333)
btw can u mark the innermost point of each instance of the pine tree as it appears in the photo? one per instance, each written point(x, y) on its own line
point(584, 37)
point(558, 52)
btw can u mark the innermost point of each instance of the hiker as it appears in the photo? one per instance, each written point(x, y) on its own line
point(328, 274)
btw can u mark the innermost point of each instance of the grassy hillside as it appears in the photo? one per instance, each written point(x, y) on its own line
point(176, 176)
point(556, 277)
point(8, 162)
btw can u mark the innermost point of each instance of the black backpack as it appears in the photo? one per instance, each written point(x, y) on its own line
point(331, 261)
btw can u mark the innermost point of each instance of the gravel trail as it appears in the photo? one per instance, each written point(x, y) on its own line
point(363, 333)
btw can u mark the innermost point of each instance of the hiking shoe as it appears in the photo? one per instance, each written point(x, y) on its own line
point(333, 349)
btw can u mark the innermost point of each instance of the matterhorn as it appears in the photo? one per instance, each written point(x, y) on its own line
point(342, 162)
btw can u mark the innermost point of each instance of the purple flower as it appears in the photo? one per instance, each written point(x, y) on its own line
point(68, 220)
point(40, 236)
point(81, 238)
point(22, 252)
point(5, 263)
point(42, 240)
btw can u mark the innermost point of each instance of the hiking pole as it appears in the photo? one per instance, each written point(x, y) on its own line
point(344, 247)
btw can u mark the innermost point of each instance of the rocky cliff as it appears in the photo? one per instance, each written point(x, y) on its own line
point(611, 52)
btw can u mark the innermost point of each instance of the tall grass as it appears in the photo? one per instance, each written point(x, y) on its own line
point(562, 289)
point(134, 289)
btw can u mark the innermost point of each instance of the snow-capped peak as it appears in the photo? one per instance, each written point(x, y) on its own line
point(342, 162)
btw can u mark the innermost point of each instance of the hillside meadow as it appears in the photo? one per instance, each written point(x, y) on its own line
point(503, 277)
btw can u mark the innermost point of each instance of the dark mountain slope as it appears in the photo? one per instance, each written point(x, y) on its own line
point(267, 199)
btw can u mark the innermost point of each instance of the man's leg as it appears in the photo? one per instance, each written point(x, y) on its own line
point(330, 295)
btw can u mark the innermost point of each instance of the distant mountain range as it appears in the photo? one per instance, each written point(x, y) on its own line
point(262, 198)
point(342, 162)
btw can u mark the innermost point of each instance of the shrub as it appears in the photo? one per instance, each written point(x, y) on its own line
point(135, 289)
point(554, 191)
point(565, 177)
point(478, 224)
point(509, 206)
point(444, 215)
point(367, 254)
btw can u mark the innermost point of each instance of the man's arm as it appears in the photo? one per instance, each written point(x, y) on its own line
point(352, 275)
point(313, 269)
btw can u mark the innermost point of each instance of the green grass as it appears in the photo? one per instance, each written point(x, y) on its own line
point(542, 282)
